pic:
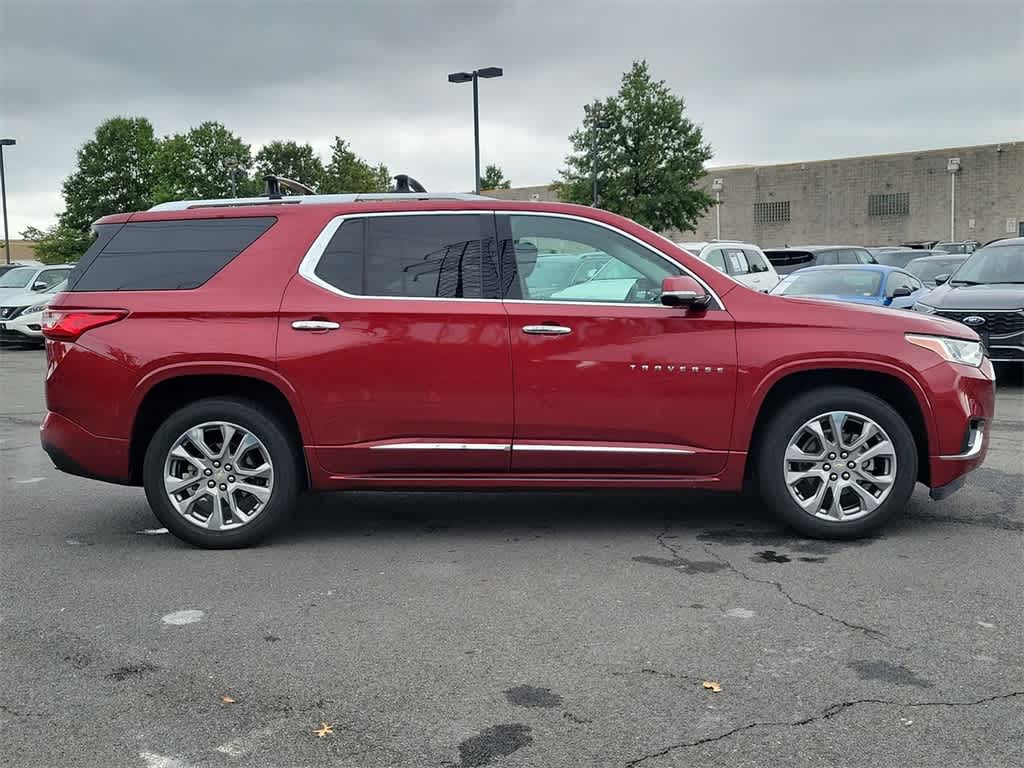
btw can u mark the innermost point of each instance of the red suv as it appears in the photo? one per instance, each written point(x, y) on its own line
point(229, 355)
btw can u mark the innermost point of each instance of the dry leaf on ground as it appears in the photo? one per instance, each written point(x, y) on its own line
point(323, 730)
point(711, 685)
point(227, 700)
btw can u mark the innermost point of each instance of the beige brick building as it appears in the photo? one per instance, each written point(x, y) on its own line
point(872, 200)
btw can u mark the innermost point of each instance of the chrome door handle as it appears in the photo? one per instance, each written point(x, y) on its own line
point(314, 325)
point(547, 330)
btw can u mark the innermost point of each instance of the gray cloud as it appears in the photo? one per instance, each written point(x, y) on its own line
point(769, 81)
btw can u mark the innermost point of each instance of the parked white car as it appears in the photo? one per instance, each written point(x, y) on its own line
point(31, 279)
point(743, 262)
point(21, 315)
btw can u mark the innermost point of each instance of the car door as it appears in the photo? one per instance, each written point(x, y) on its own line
point(396, 340)
point(607, 379)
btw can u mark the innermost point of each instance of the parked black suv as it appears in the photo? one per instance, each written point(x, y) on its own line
point(790, 259)
point(987, 294)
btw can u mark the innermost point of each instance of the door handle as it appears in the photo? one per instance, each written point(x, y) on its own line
point(314, 325)
point(547, 330)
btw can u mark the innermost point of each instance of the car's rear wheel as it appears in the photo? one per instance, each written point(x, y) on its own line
point(221, 473)
point(837, 462)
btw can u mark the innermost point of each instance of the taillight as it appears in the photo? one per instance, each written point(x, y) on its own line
point(69, 324)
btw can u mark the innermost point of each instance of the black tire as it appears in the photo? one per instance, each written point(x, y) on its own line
point(283, 455)
point(783, 425)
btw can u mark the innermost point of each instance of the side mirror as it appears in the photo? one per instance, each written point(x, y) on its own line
point(940, 279)
point(683, 291)
point(39, 286)
point(900, 292)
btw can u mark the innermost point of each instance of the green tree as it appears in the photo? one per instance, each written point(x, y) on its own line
point(494, 178)
point(59, 244)
point(650, 156)
point(293, 161)
point(200, 164)
point(349, 173)
point(115, 173)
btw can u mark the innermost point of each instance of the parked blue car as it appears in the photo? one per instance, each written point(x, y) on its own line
point(876, 284)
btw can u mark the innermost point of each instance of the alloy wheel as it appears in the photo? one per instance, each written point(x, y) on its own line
point(840, 466)
point(218, 476)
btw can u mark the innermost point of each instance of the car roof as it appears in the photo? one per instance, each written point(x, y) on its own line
point(885, 268)
point(1007, 241)
point(813, 248)
point(941, 257)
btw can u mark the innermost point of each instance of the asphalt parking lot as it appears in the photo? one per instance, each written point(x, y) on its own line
point(540, 629)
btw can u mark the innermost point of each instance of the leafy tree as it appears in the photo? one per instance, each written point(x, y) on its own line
point(650, 156)
point(59, 244)
point(349, 173)
point(293, 161)
point(115, 173)
point(494, 178)
point(200, 164)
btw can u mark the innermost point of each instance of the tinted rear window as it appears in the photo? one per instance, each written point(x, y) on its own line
point(788, 261)
point(422, 256)
point(166, 255)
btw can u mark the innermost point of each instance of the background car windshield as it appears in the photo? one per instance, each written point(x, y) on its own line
point(997, 264)
point(926, 271)
point(17, 278)
point(616, 270)
point(840, 282)
point(895, 258)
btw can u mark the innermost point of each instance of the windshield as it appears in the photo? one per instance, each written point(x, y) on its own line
point(996, 264)
point(927, 271)
point(835, 282)
point(17, 278)
point(895, 258)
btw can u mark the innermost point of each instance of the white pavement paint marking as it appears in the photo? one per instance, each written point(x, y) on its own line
point(986, 625)
point(739, 613)
point(183, 617)
point(29, 480)
point(243, 745)
point(153, 760)
point(152, 531)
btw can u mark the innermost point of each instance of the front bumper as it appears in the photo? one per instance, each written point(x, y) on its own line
point(22, 329)
point(77, 451)
point(963, 406)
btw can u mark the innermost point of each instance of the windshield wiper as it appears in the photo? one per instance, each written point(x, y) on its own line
point(964, 282)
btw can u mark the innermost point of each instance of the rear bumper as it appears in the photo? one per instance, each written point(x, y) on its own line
point(75, 450)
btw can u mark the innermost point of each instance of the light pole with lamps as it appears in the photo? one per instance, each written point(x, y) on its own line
point(716, 187)
point(473, 77)
point(3, 198)
point(953, 166)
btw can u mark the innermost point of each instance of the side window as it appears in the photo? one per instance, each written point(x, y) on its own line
point(50, 277)
point(755, 260)
point(424, 256)
point(737, 261)
point(826, 258)
point(716, 259)
point(630, 273)
point(901, 280)
point(168, 255)
point(848, 256)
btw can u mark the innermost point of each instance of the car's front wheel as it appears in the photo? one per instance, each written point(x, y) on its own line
point(837, 462)
point(221, 473)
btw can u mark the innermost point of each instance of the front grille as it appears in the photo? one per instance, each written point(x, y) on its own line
point(9, 313)
point(1006, 354)
point(996, 323)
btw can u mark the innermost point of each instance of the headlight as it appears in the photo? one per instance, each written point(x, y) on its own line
point(951, 350)
point(35, 308)
point(925, 308)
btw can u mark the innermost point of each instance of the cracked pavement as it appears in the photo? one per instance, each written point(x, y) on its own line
point(506, 629)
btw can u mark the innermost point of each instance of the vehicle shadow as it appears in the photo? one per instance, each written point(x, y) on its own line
point(513, 513)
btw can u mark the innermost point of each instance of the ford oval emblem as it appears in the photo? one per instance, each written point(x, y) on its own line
point(974, 320)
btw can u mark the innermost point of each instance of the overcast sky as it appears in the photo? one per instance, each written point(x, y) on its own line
point(768, 81)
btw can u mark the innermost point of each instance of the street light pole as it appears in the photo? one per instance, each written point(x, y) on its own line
point(716, 187)
point(474, 77)
point(3, 198)
point(953, 166)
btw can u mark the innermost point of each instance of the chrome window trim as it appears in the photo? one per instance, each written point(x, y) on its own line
point(596, 449)
point(307, 267)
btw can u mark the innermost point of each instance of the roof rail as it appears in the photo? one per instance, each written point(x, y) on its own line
point(359, 197)
point(406, 188)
